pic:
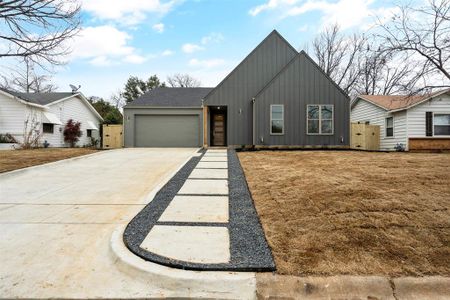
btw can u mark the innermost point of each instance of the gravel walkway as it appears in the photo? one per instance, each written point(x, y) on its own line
point(248, 248)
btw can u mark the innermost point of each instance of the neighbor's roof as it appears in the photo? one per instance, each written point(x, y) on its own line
point(399, 102)
point(172, 97)
point(40, 98)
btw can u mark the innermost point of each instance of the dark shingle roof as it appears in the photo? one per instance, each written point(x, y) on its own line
point(172, 97)
point(39, 98)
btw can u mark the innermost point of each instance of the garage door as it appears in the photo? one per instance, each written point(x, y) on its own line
point(167, 131)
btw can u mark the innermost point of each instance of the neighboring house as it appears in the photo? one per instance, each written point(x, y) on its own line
point(275, 97)
point(50, 112)
point(417, 122)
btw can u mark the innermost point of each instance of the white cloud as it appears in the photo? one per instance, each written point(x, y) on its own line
point(100, 61)
point(191, 48)
point(158, 27)
point(213, 37)
point(104, 45)
point(207, 63)
point(346, 13)
point(134, 59)
point(129, 12)
point(167, 52)
point(270, 5)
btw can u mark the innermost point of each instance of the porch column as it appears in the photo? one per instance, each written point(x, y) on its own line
point(205, 126)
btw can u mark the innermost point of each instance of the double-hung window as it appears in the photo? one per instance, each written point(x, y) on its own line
point(441, 124)
point(320, 119)
point(390, 127)
point(277, 119)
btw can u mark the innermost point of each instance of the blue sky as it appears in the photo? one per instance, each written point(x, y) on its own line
point(205, 38)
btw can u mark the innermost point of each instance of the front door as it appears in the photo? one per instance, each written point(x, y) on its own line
point(218, 130)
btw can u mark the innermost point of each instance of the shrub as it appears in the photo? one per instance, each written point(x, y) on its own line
point(7, 138)
point(72, 132)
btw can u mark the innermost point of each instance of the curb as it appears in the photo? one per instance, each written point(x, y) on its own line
point(183, 283)
point(26, 169)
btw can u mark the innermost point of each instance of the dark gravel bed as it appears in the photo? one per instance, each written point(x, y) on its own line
point(249, 249)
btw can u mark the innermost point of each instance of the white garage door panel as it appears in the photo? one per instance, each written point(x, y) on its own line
point(167, 131)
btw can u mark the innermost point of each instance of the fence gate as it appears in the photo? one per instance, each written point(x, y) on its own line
point(365, 137)
point(112, 136)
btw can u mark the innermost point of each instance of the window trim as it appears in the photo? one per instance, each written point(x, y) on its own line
point(282, 114)
point(439, 113)
point(385, 128)
point(320, 119)
point(47, 132)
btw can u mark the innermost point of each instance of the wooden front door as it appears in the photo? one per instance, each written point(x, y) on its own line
point(218, 130)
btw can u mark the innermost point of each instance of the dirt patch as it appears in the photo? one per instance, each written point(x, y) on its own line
point(344, 212)
point(18, 159)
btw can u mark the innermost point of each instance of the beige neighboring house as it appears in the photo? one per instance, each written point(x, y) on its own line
point(49, 112)
point(420, 122)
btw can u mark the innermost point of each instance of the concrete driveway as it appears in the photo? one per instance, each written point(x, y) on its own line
point(56, 222)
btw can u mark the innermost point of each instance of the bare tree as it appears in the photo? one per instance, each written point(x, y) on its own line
point(117, 99)
point(384, 73)
point(422, 35)
point(38, 29)
point(339, 56)
point(182, 80)
point(27, 80)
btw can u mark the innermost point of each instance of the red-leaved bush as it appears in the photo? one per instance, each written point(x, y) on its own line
point(72, 132)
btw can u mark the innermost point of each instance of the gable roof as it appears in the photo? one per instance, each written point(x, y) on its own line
point(300, 54)
point(43, 100)
point(39, 98)
point(172, 97)
point(273, 33)
point(398, 102)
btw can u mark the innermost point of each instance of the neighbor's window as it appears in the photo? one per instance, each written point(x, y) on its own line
point(277, 119)
point(320, 119)
point(390, 127)
point(47, 127)
point(441, 124)
point(89, 132)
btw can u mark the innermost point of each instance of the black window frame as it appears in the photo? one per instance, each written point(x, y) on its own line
point(89, 133)
point(48, 128)
point(386, 133)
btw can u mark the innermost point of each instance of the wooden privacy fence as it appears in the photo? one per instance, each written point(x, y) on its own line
point(365, 137)
point(112, 136)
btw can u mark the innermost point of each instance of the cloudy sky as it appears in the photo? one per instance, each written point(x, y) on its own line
point(205, 38)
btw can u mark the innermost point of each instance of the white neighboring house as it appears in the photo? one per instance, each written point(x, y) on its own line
point(52, 111)
point(403, 119)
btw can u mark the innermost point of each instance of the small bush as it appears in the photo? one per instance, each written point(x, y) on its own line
point(7, 138)
point(72, 132)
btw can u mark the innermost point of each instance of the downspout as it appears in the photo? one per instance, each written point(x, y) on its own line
point(253, 123)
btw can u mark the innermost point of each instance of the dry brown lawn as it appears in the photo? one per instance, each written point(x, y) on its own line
point(345, 212)
point(17, 159)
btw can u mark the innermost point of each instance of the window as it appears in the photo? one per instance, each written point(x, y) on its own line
point(320, 119)
point(390, 127)
point(89, 132)
point(441, 124)
point(277, 119)
point(47, 127)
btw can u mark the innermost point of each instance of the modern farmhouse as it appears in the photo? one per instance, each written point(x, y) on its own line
point(276, 96)
point(420, 122)
point(46, 114)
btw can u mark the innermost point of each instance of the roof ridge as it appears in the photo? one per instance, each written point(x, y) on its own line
point(273, 32)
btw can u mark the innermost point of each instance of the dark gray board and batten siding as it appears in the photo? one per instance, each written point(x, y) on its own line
point(301, 83)
point(245, 81)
